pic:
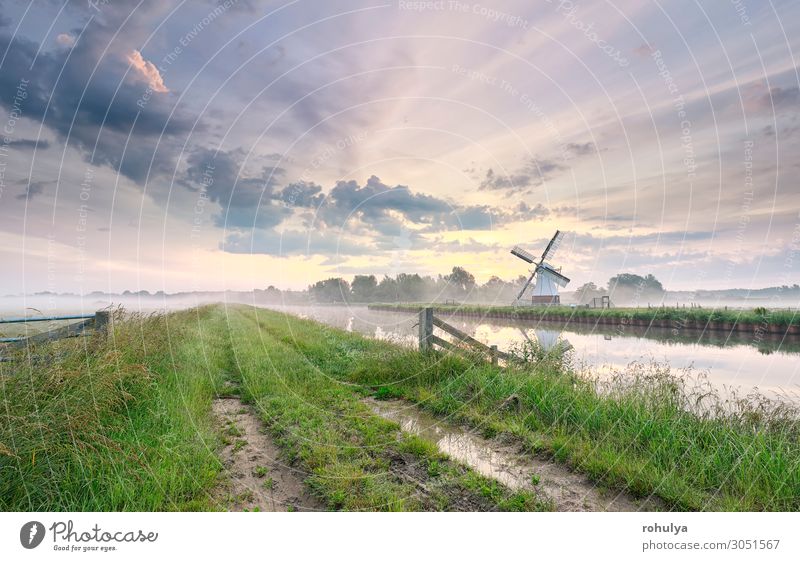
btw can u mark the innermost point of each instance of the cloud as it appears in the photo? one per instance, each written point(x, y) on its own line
point(581, 149)
point(535, 172)
point(65, 40)
point(514, 183)
point(360, 218)
point(32, 189)
point(759, 97)
point(147, 72)
point(84, 95)
point(29, 144)
point(246, 201)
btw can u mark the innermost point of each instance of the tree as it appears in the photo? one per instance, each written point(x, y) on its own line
point(330, 290)
point(363, 288)
point(387, 290)
point(460, 280)
point(633, 281)
point(584, 294)
point(630, 288)
point(410, 287)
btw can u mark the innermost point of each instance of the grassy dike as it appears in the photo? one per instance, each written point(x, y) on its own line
point(757, 320)
point(125, 423)
point(116, 424)
point(645, 434)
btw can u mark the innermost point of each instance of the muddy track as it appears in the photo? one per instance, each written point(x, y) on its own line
point(568, 490)
point(254, 477)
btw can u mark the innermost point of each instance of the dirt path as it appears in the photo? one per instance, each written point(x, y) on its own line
point(255, 477)
point(569, 491)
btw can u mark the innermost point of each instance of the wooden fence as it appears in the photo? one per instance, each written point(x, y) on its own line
point(99, 321)
point(428, 341)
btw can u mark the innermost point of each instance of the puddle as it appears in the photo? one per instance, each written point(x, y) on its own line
point(256, 477)
point(568, 490)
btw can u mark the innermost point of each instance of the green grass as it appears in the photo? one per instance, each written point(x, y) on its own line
point(117, 424)
point(646, 432)
point(125, 423)
point(676, 317)
point(354, 460)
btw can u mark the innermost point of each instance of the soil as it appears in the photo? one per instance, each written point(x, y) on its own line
point(255, 478)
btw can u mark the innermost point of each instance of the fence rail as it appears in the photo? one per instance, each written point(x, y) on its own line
point(99, 321)
point(428, 341)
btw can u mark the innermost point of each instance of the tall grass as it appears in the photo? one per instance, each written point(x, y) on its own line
point(112, 424)
point(345, 451)
point(125, 423)
point(646, 431)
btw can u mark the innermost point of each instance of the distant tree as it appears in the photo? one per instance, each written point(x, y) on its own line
point(632, 289)
point(460, 280)
point(387, 290)
point(363, 288)
point(633, 281)
point(410, 287)
point(585, 293)
point(330, 291)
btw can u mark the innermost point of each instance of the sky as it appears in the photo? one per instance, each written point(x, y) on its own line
point(212, 144)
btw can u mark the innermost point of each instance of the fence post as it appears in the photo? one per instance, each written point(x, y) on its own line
point(425, 329)
point(102, 321)
point(494, 354)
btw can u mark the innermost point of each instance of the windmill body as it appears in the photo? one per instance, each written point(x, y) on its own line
point(548, 278)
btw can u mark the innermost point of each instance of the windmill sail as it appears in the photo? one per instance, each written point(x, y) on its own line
point(522, 254)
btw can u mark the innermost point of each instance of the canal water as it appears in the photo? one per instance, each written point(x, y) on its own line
point(741, 362)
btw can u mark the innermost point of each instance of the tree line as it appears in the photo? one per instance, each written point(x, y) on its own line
point(460, 285)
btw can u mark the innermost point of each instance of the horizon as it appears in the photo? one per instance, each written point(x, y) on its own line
point(210, 146)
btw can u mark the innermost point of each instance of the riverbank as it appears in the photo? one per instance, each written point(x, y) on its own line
point(759, 321)
point(127, 423)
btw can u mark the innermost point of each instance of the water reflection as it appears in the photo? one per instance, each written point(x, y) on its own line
point(769, 363)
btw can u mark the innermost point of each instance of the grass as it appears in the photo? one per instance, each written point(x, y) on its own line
point(117, 424)
point(354, 460)
point(644, 432)
point(125, 423)
point(675, 317)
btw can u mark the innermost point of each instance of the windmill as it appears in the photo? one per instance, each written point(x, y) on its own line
point(549, 278)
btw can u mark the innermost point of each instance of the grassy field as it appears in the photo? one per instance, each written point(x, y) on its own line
point(125, 424)
point(673, 317)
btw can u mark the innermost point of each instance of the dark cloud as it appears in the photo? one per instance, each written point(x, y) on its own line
point(514, 183)
point(91, 98)
point(758, 97)
point(32, 189)
point(301, 194)
point(535, 172)
point(578, 149)
point(29, 144)
point(246, 202)
point(360, 218)
point(381, 206)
